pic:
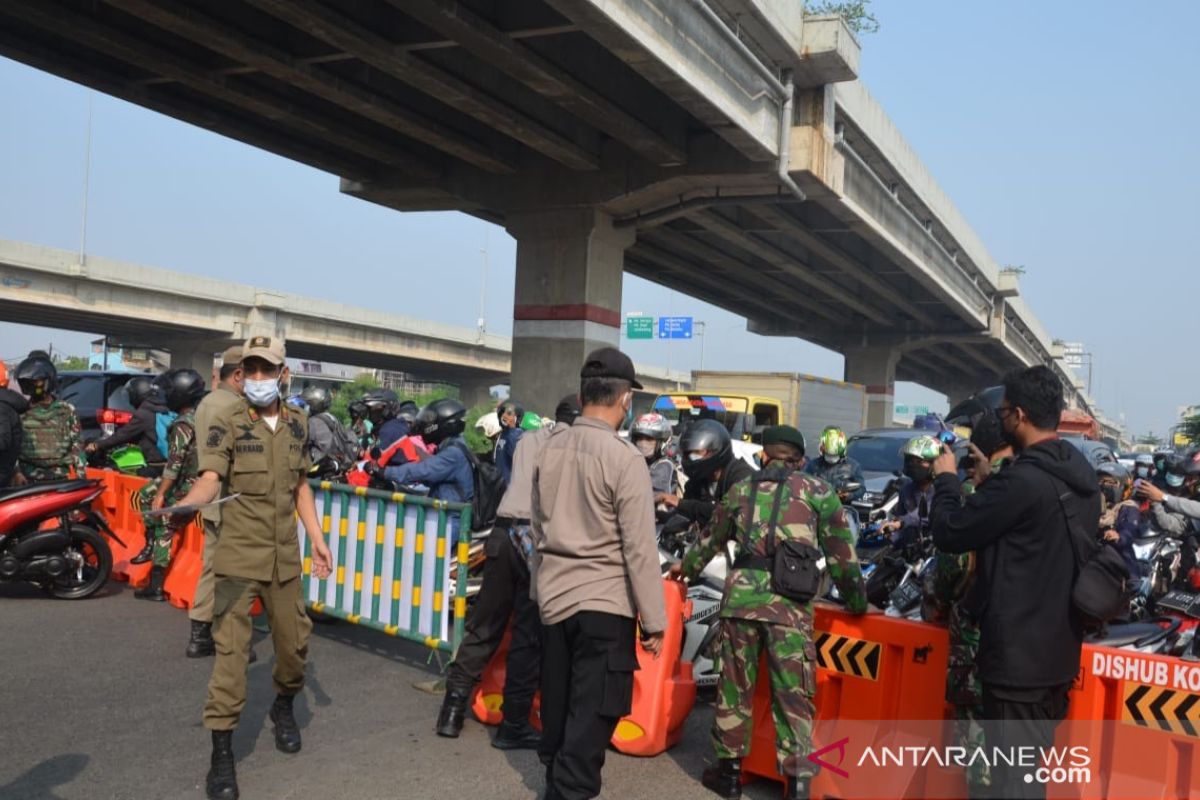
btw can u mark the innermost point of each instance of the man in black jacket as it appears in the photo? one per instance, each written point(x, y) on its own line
point(12, 406)
point(711, 468)
point(1030, 636)
point(142, 429)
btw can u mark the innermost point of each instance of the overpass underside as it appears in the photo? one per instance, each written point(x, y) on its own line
point(605, 135)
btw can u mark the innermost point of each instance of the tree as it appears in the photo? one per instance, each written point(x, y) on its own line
point(854, 12)
point(70, 363)
point(1150, 439)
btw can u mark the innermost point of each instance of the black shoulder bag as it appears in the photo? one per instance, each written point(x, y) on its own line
point(794, 565)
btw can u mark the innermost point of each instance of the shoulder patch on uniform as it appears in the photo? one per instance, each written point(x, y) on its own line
point(215, 434)
point(297, 429)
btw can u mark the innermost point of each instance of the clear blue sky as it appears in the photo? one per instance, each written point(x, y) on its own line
point(1062, 131)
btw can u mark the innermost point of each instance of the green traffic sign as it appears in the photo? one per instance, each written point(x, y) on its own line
point(639, 327)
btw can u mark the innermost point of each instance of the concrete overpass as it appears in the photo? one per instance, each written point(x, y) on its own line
point(194, 317)
point(718, 147)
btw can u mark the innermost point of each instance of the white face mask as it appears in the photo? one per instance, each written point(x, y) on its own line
point(261, 393)
point(647, 447)
point(831, 459)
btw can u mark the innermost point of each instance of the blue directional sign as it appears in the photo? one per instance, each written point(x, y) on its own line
point(674, 327)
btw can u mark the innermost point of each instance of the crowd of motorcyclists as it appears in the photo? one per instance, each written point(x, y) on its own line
point(1150, 515)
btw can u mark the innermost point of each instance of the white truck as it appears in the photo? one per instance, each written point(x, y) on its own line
point(747, 402)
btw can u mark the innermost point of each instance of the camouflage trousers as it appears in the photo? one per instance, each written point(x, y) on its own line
point(964, 691)
point(35, 474)
point(790, 659)
point(157, 530)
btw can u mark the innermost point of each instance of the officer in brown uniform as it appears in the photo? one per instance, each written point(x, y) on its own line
point(224, 399)
point(258, 449)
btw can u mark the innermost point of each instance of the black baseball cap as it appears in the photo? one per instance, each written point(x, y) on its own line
point(609, 362)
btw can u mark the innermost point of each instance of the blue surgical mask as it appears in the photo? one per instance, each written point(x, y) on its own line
point(261, 393)
point(1143, 472)
point(1174, 481)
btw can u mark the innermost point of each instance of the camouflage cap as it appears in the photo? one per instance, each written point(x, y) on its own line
point(232, 356)
point(268, 348)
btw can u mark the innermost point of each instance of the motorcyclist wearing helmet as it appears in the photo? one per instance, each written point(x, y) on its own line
point(1120, 516)
point(328, 438)
point(12, 406)
point(650, 432)
point(448, 472)
point(382, 408)
point(142, 429)
point(51, 443)
point(1143, 467)
point(509, 414)
point(711, 469)
point(1178, 515)
point(360, 423)
point(1161, 457)
point(835, 467)
point(181, 391)
point(916, 495)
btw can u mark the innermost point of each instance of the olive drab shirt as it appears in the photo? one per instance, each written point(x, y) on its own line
point(258, 529)
point(810, 512)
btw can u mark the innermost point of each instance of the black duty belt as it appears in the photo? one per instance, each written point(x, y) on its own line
point(510, 522)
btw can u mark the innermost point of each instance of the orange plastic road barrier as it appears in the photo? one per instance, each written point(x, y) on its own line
point(121, 509)
point(869, 667)
point(488, 701)
point(663, 688)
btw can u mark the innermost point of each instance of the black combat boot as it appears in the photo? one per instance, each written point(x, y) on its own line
point(221, 783)
point(153, 589)
point(287, 732)
point(517, 735)
point(453, 714)
point(724, 778)
point(200, 641)
point(797, 789)
point(146, 552)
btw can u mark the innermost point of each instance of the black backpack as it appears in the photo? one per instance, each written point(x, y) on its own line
point(489, 488)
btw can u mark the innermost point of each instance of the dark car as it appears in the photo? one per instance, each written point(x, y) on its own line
point(877, 451)
point(99, 398)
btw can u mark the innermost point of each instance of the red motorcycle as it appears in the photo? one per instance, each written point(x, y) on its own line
point(51, 537)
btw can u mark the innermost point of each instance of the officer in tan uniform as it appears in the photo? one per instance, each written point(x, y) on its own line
point(224, 399)
point(258, 449)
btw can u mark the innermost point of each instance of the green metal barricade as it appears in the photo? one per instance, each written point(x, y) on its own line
point(391, 563)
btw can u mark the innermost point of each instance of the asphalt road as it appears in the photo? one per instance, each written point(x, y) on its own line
point(98, 701)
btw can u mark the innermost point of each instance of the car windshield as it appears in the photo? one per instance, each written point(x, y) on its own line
point(877, 453)
point(82, 391)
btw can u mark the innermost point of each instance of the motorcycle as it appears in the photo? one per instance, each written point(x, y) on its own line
point(51, 537)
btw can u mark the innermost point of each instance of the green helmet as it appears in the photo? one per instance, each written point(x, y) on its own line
point(926, 448)
point(833, 442)
point(531, 421)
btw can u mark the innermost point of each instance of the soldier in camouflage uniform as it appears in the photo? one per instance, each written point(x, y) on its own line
point(50, 444)
point(754, 619)
point(183, 389)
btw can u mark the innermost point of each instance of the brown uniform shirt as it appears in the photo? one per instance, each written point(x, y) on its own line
point(219, 402)
point(593, 523)
point(258, 530)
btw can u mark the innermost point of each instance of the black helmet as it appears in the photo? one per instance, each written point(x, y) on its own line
point(358, 409)
point(318, 399)
point(383, 401)
point(408, 412)
point(37, 376)
point(182, 388)
point(440, 420)
point(710, 435)
point(140, 388)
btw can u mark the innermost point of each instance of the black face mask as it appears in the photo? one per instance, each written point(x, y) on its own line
point(918, 471)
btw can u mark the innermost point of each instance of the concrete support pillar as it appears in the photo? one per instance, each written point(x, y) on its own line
point(875, 368)
point(199, 354)
point(570, 265)
point(959, 392)
point(476, 393)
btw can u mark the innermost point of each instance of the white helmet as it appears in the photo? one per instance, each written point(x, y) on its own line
point(489, 423)
point(653, 426)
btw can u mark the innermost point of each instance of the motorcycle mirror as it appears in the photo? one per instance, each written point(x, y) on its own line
point(851, 487)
